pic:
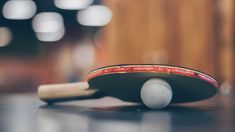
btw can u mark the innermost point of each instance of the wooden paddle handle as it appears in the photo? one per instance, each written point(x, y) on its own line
point(64, 92)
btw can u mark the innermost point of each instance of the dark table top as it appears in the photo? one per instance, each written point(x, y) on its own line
point(25, 113)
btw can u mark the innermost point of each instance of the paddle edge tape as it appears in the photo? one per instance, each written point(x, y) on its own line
point(135, 68)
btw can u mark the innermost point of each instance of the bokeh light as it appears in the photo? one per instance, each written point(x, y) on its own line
point(72, 4)
point(5, 36)
point(19, 9)
point(226, 88)
point(84, 55)
point(98, 38)
point(97, 15)
point(159, 56)
point(49, 26)
point(51, 37)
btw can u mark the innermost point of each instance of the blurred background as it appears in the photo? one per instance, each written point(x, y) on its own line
point(58, 41)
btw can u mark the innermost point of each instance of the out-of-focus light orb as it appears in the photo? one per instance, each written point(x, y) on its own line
point(19, 9)
point(84, 55)
point(155, 56)
point(50, 37)
point(72, 4)
point(49, 26)
point(98, 38)
point(226, 88)
point(5, 36)
point(47, 22)
point(97, 15)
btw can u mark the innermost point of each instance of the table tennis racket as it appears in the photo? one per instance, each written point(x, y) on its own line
point(125, 82)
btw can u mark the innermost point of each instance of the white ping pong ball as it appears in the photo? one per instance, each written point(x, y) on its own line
point(156, 93)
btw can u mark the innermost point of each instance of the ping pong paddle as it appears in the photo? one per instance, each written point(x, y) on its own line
point(125, 82)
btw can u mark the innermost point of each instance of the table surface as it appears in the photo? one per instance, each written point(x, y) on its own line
point(25, 113)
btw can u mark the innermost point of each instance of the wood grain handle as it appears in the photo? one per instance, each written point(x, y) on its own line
point(52, 93)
